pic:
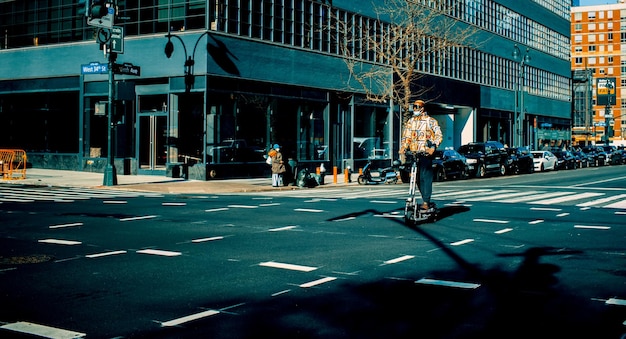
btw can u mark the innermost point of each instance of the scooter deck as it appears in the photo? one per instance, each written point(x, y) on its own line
point(411, 217)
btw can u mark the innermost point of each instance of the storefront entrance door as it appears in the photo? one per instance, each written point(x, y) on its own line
point(151, 142)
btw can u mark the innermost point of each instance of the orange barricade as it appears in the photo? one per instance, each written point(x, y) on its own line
point(12, 164)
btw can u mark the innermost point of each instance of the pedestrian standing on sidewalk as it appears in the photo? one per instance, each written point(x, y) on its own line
point(278, 166)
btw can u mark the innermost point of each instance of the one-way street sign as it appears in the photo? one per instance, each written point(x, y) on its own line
point(117, 39)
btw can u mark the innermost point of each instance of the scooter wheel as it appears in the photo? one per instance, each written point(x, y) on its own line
point(361, 180)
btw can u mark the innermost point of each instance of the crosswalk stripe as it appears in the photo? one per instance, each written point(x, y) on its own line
point(479, 194)
point(29, 195)
point(619, 204)
point(538, 197)
point(602, 201)
point(461, 193)
point(503, 195)
point(572, 197)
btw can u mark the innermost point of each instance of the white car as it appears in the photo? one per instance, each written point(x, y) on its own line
point(544, 160)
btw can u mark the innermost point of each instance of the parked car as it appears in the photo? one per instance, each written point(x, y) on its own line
point(582, 159)
point(369, 148)
point(614, 155)
point(597, 158)
point(448, 164)
point(234, 150)
point(485, 157)
point(520, 160)
point(565, 159)
point(544, 160)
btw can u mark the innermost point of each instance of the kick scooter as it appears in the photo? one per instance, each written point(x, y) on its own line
point(413, 214)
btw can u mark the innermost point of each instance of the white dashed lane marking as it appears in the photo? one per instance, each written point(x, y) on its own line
point(42, 330)
point(192, 317)
point(288, 266)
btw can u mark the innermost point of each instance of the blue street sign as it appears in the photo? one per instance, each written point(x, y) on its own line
point(94, 68)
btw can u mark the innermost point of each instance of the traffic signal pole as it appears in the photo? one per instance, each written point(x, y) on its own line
point(110, 175)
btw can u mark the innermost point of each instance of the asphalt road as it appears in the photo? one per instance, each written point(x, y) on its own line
point(538, 255)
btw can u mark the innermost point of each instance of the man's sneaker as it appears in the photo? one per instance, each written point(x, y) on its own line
point(424, 207)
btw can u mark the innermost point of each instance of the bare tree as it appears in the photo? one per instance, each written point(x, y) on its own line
point(387, 56)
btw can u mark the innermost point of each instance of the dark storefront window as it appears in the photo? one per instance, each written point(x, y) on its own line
point(371, 140)
point(40, 122)
point(242, 128)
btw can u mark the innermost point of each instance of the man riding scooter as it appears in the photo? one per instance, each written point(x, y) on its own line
point(421, 135)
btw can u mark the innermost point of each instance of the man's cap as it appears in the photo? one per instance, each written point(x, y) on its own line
point(419, 103)
point(276, 146)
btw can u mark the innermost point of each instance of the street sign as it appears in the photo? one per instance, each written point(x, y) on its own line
point(127, 69)
point(117, 39)
point(103, 36)
point(94, 68)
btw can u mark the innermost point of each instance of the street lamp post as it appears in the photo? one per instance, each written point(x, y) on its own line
point(189, 76)
point(189, 59)
point(519, 118)
point(607, 114)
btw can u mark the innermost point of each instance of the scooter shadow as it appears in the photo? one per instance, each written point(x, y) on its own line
point(448, 211)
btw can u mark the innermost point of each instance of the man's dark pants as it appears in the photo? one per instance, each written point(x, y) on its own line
point(425, 180)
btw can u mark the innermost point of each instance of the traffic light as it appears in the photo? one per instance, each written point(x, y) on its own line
point(100, 13)
point(83, 7)
point(98, 9)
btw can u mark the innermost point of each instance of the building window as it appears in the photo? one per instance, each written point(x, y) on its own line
point(578, 38)
point(578, 16)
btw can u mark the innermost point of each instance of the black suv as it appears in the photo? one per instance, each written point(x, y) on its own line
point(485, 157)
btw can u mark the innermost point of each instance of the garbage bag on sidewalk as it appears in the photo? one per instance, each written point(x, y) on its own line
point(307, 179)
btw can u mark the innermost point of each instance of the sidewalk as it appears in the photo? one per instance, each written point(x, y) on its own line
point(153, 183)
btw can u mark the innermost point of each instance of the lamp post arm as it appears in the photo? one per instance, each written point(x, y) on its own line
point(196, 45)
point(170, 35)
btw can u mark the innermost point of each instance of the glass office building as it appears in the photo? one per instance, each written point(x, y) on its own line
point(265, 72)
